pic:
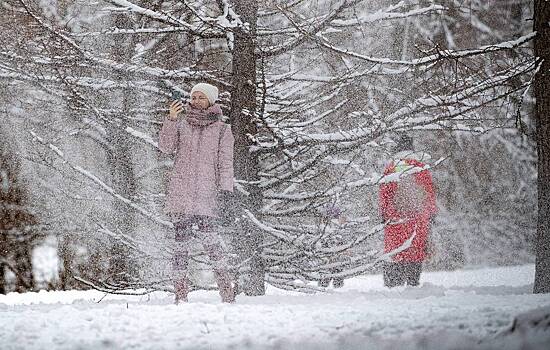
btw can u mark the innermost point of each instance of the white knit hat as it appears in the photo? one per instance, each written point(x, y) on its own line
point(210, 91)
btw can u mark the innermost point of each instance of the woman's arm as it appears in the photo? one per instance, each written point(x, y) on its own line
point(225, 160)
point(168, 138)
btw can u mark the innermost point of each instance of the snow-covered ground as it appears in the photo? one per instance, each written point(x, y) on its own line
point(467, 309)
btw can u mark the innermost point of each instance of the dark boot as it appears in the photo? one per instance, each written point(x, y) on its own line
point(227, 292)
point(223, 279)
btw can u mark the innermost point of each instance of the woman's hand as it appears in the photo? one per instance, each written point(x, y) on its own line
point(175, 108)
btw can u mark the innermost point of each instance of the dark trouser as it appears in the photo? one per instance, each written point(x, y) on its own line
point(401, 273)
point(199, 229)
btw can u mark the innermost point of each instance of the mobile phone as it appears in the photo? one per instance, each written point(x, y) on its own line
point(177, 95)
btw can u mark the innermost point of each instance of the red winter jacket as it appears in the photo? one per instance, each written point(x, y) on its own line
point(396, 234)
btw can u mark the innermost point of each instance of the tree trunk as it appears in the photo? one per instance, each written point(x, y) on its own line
point(122, 175)
point(15, 220)
point(121, 165)
point(3, 267)
point(24, 276)
point(66, 254)
point(65, 249)
point(542, 122)
point(243, 108)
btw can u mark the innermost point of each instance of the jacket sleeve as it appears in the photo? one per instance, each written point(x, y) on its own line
point(386, 194)
point(225, 160)
point(169, 134)
point(425, 179)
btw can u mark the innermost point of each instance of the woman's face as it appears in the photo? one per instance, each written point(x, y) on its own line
point(199, 100)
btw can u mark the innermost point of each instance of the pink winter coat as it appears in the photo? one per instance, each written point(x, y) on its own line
point(193, 187)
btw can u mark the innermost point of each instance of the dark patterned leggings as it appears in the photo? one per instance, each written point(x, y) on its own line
point(196, 229)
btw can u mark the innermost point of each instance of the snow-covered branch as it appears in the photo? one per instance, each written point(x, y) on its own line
point(106, 188)
point(430, 59)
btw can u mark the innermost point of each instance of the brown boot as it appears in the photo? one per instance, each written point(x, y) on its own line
point(225, 286)
point(181, 287)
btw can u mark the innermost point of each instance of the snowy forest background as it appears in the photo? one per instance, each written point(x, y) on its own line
point(315, 92)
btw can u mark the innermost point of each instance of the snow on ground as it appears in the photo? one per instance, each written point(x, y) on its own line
point(467, 309)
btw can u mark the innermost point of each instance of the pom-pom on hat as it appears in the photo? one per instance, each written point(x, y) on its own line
point(210, 91)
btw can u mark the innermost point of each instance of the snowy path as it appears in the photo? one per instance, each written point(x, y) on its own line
point(449, 309)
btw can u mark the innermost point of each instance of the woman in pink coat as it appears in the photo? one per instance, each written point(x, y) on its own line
point(201, 176)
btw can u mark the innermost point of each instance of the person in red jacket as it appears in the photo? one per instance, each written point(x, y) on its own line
point(407, 206)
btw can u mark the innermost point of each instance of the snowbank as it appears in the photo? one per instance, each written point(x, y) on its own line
point(470, 309)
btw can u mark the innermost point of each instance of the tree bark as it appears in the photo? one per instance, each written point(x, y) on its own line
point(121, 166)
point(24, 277)
point(243, 109)
point(3, 267)
point(542, 122)
point(66, 254)
point(65, 248)
point(16, 222)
